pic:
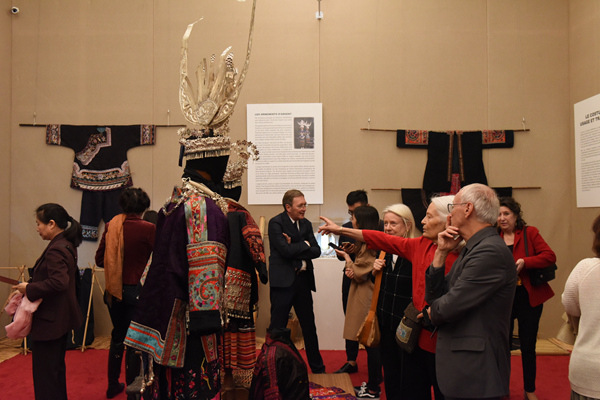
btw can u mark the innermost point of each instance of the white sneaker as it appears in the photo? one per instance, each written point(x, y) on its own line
point(360, 388)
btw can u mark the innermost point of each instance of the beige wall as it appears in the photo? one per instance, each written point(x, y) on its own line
point(584, 65)
point(6, 19)
point(418, 64)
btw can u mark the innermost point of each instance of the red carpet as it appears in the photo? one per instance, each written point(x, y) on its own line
point(86, 375)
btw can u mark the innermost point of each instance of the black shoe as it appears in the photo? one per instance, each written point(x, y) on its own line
point(114, 390)
point(347, 369)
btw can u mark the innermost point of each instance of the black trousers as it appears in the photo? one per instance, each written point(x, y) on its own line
point(121, 313)
point(49, 369)
point(395, 366)
point(298, 296)
point(528, 319)
point(374, 368)
point(351, 345)
point(416, 377)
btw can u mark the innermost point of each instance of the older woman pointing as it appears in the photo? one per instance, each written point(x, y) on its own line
point(420, 365)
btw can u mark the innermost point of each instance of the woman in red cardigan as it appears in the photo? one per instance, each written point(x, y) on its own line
point(529, 299)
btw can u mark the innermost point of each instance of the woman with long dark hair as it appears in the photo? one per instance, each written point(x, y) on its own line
point(529, 299)
point(53, 279)
point(360, 294)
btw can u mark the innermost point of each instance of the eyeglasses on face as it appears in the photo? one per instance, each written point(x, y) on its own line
point(452, 205)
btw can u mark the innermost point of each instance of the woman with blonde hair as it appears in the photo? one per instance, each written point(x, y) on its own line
point(418, 369)
point(395, 294)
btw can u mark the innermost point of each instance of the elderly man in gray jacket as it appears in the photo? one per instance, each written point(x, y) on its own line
point(471, 305)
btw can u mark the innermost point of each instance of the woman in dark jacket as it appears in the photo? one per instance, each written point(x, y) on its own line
point(529, 299)
point(124, 250)
point(394, 295)
point(53, 280)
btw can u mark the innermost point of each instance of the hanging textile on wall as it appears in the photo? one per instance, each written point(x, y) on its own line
point(100, 167)
point(454, 158)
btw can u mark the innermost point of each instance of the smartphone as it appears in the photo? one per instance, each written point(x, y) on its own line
point(335, 246)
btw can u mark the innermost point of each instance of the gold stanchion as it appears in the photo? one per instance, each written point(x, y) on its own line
point(87, 318)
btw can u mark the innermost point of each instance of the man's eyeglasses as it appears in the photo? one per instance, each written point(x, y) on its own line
point(451, 206)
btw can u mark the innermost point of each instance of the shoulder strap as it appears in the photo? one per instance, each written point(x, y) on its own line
point(377, 286)
point(525, 239)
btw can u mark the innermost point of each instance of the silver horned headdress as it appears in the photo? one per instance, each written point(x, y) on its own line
point(211, 106)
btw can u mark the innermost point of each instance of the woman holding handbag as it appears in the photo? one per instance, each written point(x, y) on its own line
point(394, 295)
point(360, 296)
point(53, 279)
point(529, 299)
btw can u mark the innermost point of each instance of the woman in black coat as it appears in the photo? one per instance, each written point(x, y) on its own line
point(53, 280)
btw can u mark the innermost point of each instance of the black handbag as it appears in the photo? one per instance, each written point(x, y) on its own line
point(407, 333)
point(539, 276)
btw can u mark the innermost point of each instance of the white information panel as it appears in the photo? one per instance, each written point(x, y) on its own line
point(587, 151)
point(289, 138)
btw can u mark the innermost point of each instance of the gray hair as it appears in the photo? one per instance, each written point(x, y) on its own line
point(402, 211)
point(441, 205)
point(485, 202)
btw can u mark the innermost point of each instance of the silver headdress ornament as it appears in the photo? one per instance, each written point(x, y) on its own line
point(211, 107)
point(235, 169)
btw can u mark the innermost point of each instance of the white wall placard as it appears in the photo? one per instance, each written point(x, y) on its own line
point(289, 138)
point(587, 151)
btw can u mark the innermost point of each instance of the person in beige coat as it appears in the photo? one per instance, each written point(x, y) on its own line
point(359, 297)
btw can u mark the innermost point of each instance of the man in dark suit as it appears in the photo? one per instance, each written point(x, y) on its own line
point(472, 305)
point(291, 276)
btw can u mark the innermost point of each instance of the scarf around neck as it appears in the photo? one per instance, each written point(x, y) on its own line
point(113, 256)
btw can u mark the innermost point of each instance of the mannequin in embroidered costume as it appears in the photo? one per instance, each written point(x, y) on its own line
point(100, 167)
point(179, 318)
point(185, 303)
point(246, 260)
